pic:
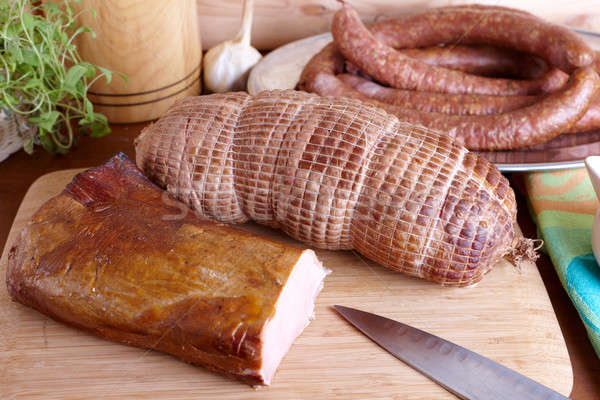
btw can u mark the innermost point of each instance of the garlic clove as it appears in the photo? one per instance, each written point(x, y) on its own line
point(227, 65)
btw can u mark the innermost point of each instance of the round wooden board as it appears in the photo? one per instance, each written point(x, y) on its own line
point(281, 68)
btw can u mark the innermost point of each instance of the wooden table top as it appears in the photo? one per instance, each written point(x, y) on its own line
point(19, 171)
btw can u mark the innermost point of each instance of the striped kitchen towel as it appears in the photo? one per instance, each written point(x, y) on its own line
point(564, 204)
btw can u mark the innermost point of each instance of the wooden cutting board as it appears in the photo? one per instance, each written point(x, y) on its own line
point(507, 317)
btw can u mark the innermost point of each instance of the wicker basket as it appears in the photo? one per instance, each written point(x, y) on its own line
point(13, 132)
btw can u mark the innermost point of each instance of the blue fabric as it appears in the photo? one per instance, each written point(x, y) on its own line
point(564, 205)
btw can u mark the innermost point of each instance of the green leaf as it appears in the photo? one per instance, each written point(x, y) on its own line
point(106, 72)
point(101, 117)
point(10, 100)
point(15, 52)
point(50, 8)
point(30, 58)
point(80, 30)
point(64, 38)
point(99, 129)
point(124, 77)
point(32, 83)
point(74, 75)
point(47, 143)
point(29, 22)
point(89, 110)
point(46, 120)
point(28, 146)
point(90, 69)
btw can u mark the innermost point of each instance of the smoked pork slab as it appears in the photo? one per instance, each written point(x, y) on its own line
point(115, 256)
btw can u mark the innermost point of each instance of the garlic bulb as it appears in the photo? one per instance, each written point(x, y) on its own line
point(227, 65)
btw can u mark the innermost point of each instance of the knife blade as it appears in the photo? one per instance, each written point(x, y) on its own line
point(584, 31)
point(462, 372)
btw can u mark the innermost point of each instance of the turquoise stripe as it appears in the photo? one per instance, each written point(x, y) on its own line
point(583, 286)
point(569, 236)
point(564, 244)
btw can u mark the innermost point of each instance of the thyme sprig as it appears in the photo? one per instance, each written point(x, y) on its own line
point(42, 76)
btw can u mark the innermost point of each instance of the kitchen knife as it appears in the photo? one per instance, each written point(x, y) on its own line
point(585, 31)
point(464, 373)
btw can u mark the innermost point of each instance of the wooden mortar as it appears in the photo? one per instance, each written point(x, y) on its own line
point(155, 43)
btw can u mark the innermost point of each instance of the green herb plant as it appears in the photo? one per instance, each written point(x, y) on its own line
point(43, 78)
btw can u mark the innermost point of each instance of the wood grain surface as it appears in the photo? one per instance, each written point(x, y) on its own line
point(19, 171)
point(296, 19)
point(155, 43)
point(507, 317)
